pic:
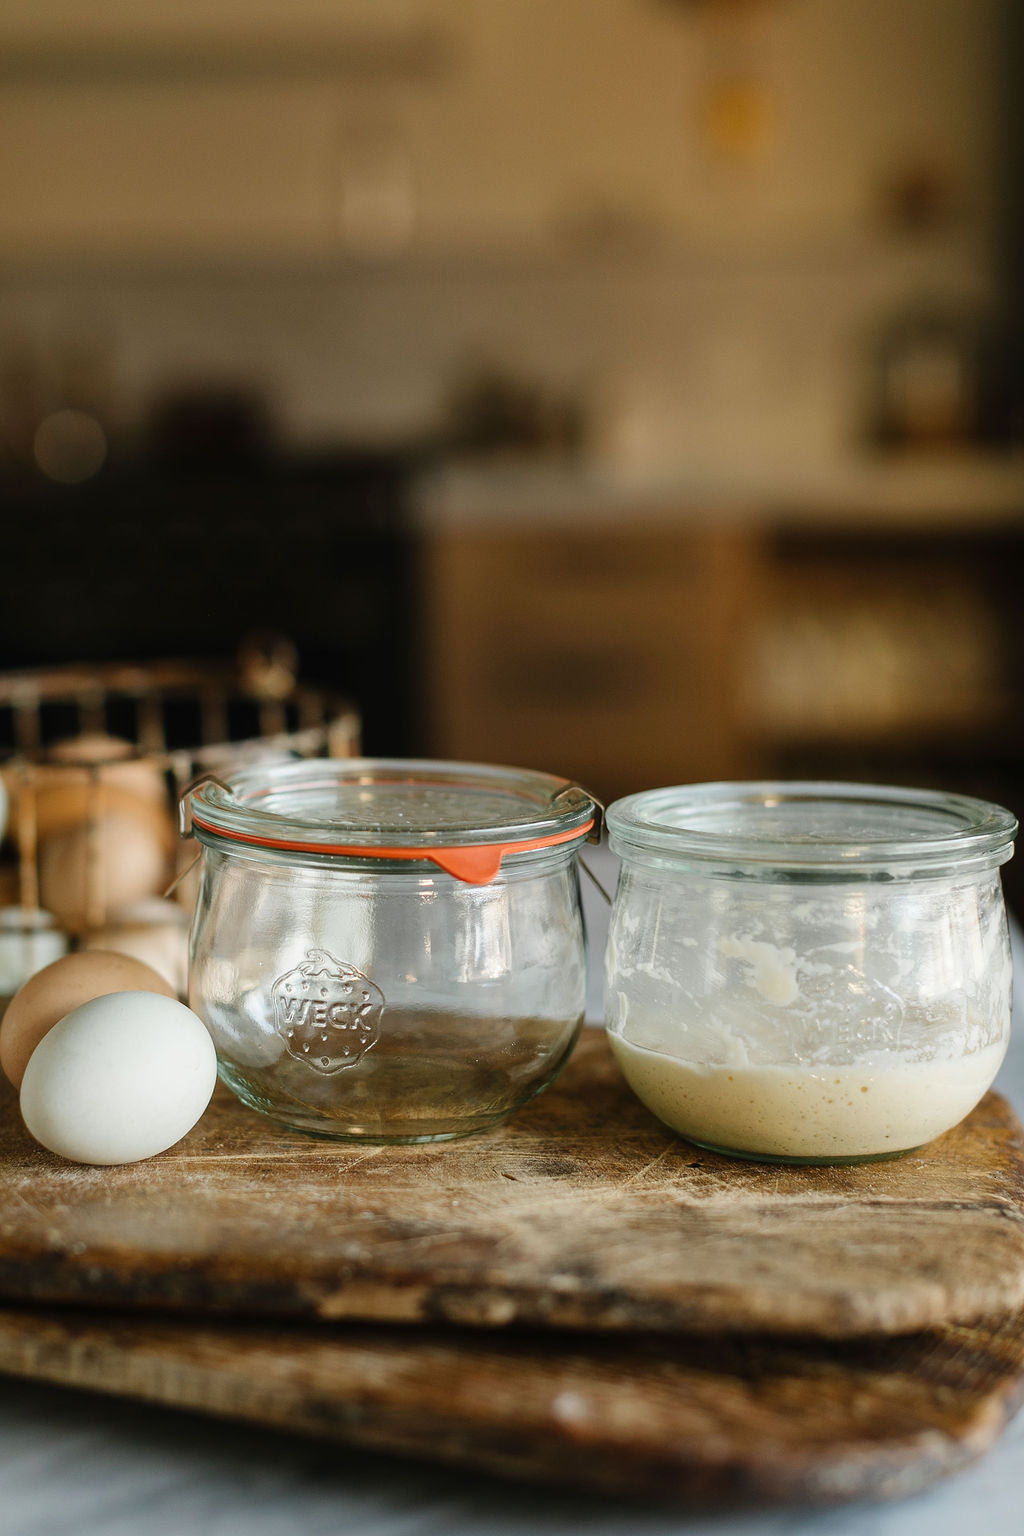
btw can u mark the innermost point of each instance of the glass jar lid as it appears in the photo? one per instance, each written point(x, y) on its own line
point(832, 829)
point(463, 817)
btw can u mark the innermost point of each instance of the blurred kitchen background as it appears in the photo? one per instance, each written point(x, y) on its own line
point(632, 389)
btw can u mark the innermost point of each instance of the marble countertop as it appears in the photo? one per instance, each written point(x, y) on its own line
point(76, 1464)
point(927, 490)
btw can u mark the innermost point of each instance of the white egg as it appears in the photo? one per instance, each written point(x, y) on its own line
point(121, 1078)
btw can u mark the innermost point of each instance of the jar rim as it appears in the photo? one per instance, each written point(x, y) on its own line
point(463, 817)
point(811, 825)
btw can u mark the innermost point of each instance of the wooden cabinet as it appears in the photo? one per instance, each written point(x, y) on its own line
point(647, 652)
point(890, 654)
point(609, 655)
point(891, 643)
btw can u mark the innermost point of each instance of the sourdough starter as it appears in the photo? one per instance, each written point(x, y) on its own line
point(880, 1106)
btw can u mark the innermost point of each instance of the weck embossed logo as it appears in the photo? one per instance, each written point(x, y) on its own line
point(328, 1013)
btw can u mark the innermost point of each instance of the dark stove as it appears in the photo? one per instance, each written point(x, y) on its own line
point(157, 560)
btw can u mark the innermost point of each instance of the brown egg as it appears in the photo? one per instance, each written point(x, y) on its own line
point(120, 766)
point(63, 789)
point(57, 989)
point(92, 747)
point(154, 931)
point(64, 797)
point(128, 853)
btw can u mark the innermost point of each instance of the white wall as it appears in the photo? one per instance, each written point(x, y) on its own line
point(198, 223)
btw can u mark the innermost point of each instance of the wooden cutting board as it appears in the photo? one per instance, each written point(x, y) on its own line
point(727, 1419)
point(581, 1212)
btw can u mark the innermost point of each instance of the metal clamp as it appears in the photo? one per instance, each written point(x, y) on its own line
point(572, 797)
point(185, 800)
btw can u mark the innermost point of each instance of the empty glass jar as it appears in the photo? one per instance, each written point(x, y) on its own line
point(389, 950)
point(809, 972)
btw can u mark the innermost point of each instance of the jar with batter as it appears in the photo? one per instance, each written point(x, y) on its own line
point(809, 972)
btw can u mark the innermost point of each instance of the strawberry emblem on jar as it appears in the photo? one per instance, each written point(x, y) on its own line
point(328, 1013)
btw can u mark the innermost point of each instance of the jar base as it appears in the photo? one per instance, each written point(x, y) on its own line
point(353, 1134)
point(406, 1100)
point(789, 1160)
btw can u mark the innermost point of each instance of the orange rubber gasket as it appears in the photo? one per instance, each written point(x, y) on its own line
point(476, 864)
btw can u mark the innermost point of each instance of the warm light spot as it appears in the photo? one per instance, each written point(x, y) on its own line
point(69, 447)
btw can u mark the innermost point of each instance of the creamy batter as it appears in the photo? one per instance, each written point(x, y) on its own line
point(882, 1106)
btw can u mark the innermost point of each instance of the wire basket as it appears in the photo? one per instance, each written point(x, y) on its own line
point(78, 729)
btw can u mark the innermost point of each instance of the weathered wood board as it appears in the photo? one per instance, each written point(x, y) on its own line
point(729, 1419)
point(581, 1212)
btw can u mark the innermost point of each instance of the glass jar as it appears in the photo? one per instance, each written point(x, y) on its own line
point(390, 951)
point(809, 972)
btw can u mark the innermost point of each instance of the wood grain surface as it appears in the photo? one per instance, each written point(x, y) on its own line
point(728, 1419)
point(581, 1212)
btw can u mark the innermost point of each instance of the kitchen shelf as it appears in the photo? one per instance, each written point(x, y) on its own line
point(422, 55)
point(502, 253)
point(985, 732)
